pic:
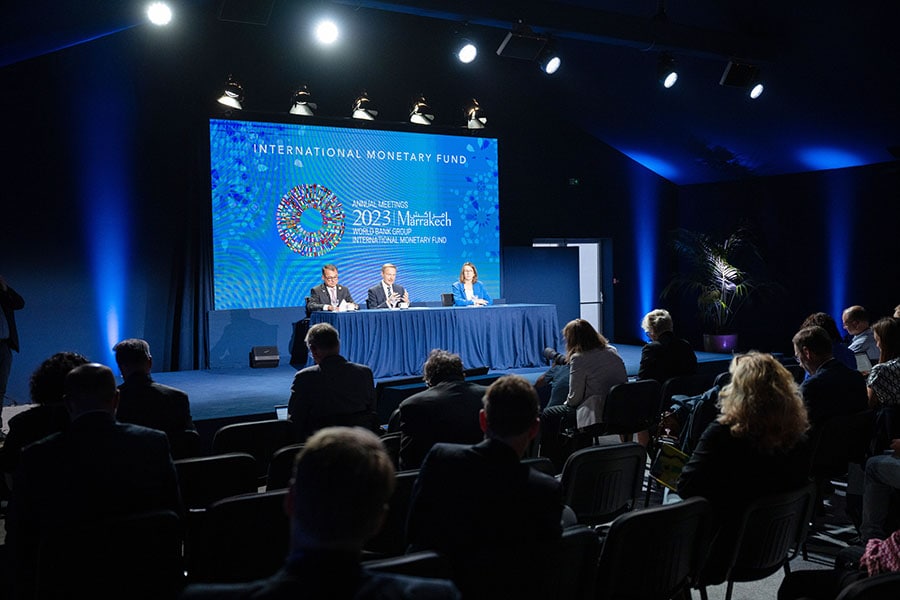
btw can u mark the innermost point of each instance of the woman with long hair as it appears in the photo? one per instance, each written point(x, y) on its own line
point(884, 378)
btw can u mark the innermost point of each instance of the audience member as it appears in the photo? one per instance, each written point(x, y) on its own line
point(49, 414)
point(882, 482)
point(445, 412)
point(10, 301)
point(329, 295)
point(468, 291)
point(343, 481)
point(97, 468)
point(884, 379)
point(482, 497)
point(142, 401)
point(553, 384)
point(387, 294)
point(838, 348)
point(897, 312)
point(334, 391)
point(856, 321)
point(756, 446)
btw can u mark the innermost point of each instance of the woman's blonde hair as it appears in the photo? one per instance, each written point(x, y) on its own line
point(763, 403)
point(581, 336)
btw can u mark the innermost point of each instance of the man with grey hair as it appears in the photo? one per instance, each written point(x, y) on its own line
point(445, 412)
point(334, 391)
point(142, 401)
point(338, 500)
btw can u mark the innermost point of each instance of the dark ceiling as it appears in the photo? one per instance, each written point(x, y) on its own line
point(830, 69)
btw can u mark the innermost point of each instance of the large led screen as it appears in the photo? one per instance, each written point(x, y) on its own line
point(288, 198)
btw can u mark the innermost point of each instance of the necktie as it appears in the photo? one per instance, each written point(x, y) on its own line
point(333, 294)
point(390, 291)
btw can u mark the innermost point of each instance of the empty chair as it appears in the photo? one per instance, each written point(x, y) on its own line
point(601, 482)
point(446, 299)
point(205, 479)
point(770, 533)
point(391, 539)
point(685, 385)
point(391, 443)
point(631, 407)
point(885, 586)
point(241, 538)
point(281, 467)
point(655, 553)
point(131, 556)
point(259, 438)
point(572, 565)
point(184, 443)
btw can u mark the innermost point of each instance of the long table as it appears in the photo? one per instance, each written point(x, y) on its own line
point(396, 342)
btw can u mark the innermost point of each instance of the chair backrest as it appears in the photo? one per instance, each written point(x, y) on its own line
point(184, 443)
point(391, 539)
point(281, 467)
point(770, 533)
point(541, 463)
point(425, 563)
point(687, 385)
point(446, 299)
point(132, 556)
point(885, 586)
point(205, 479)
point(631, 407)
point(722, 379)
point(572, 566)
point(601, 482)
point(391, 442)
point(653, 553)
point(259, 438)
point(241, 538)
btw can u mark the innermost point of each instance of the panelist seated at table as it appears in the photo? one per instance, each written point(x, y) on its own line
point(468, 291)
point(329, 295)
point(387, 294)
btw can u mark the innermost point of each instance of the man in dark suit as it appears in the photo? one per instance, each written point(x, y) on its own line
point(142, 401)
point(334, 391)
point(666, 356)
point(387, 294)
point(10, 302)
point(343, 481)
point(329, 295)
point(96, 469)
point(446, 412)
point(475, 503)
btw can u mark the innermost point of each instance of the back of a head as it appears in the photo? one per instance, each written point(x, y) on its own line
point(826, 322)
point(581, 336)
point(856, 313)
point(657, 321)
point(323, 337)
point(91, 386)
point(888, 332)
point(132, 354)
point(48, 380)
point(442, 366)
point(343, 479)
point(511, 406)
point(816, 339)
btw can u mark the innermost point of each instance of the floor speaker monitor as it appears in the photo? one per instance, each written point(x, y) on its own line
point(264, 356)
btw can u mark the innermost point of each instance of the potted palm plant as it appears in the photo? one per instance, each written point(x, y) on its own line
point(720, 286)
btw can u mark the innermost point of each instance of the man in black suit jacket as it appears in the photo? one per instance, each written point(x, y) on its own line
point(328, 295)
point(96, 469)
point(446, 412)
point(476, 503)
point(10, 302)
point(665, 356)
point(142, 401)
point(387, 294)
point(343, 481)
point(332, 392)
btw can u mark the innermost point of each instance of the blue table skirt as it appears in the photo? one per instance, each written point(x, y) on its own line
point(397, 342)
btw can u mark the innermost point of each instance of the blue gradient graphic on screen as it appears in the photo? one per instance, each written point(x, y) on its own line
point(289, 198)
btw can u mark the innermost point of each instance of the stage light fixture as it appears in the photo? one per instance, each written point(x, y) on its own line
point(301, 104)
point(475, 116)
point(159, 13)
point(522, 43)
point(756, 91)
point(666, 72)
point(742, 75)
point(327, 32)
point(362, 108)
point(549, 61)
point(466, 51)
point(233, 96)
point(421, 112)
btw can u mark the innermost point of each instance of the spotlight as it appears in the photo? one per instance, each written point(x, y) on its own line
point(466, 51)
point(475, 116)
point(301, 104)
point(159, 13)
point(756, 91)
point(666, 72)
point(742, 75)
point(549, 61)
point(421, 112)
point(362, 108)
point(233, 95)
point(326, 32)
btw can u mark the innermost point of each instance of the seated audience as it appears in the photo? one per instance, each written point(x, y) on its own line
point(757, 446)
point(553, 384)
point(334, 391)
point(897, 312)
point(386, 293)
point(856, 321)
point(882, 482)
point(468, 291)
point(884, 379)
point(445, 412)
point(49, 415)
point(338, 499)
point(838, 348)
point(142, 401)
point(95, 469)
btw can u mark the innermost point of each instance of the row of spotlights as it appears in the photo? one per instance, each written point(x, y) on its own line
point(420, 114)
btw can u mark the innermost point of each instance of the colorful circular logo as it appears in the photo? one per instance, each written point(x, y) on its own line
point(310, 220)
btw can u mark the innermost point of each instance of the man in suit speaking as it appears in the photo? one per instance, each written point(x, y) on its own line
point(329, 295)
point(387, 294)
